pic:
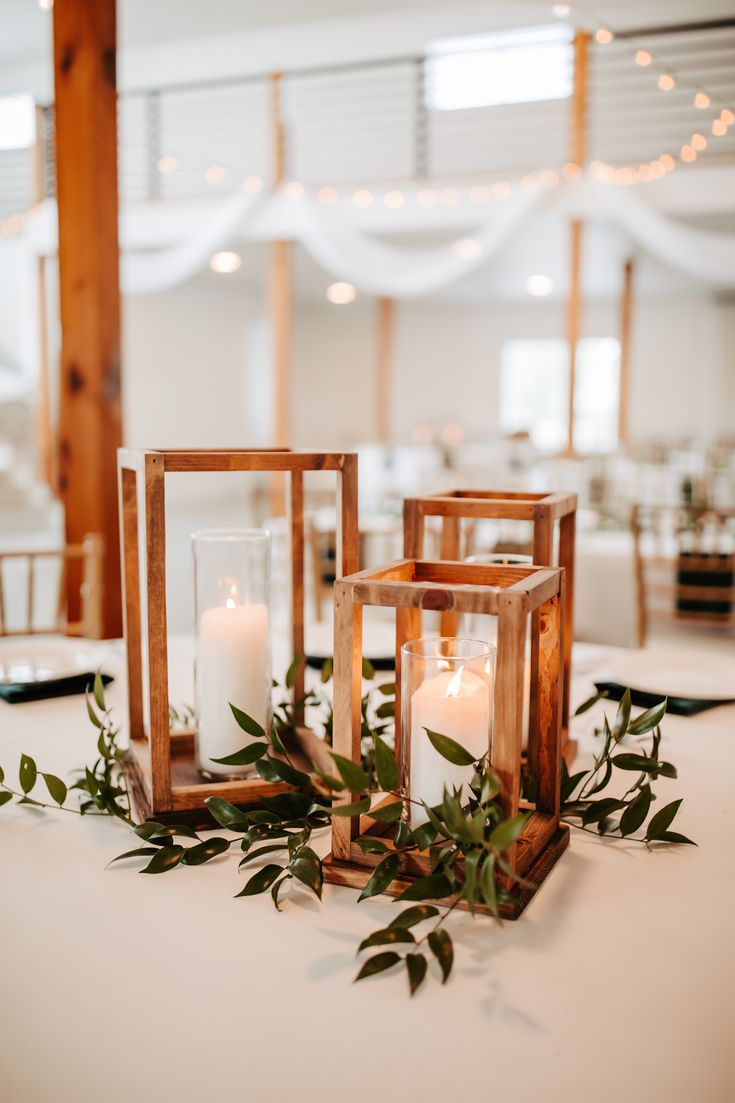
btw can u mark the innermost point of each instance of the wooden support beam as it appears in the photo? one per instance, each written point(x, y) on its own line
point(44, 431)
point(578, 122)
point(577, 157)
point(574, 317)
point(626, 311)
point(90, 418)
point(384, 369)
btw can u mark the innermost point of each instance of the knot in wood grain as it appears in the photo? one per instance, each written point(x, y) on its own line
point(439, 600)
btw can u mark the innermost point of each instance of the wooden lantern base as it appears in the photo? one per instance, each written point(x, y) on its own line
point(357, 876)
point(189, 789)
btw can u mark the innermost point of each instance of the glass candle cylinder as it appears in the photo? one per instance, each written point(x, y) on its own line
point(446, 687)
point(232, 653)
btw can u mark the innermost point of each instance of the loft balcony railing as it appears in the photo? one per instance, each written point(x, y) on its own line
point(372, 123)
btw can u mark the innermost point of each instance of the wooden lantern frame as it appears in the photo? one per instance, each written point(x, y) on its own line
point(510, 593)
point(161, 768)
point(544, 511)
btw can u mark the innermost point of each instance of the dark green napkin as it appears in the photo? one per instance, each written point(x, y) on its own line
point(677, 706)
point(17, 692)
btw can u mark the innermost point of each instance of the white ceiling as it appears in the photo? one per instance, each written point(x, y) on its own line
point(25, 28)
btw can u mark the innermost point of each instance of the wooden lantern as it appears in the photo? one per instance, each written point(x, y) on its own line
point(161, 766)
point(511, 594)
point(545, 512)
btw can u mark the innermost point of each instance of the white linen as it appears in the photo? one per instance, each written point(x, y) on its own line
point(116, 980)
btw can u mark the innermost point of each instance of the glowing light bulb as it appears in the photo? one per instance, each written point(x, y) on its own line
point(642, 57)
point(341, 293)
point(501, 189)
point(252, 184)
point(688, 154)
point(166, 164)
point(571, 171)
point(215, 174)
point(699, 142)
point(727, 116)
point(701, 100)
point(549, 178)
point(718, 128)
point(225, 262)
point(363, 198)
point(667, 161)
point(539, 285)
point(603, 36)
point(327, 195)
point(294, 189)
point(530, 183)
point(666, 82)
point(479, 193)
point(426, 197)
point(394, 200)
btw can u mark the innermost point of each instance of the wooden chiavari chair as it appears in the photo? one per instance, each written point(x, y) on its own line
point(90, 553)
point(684, 567)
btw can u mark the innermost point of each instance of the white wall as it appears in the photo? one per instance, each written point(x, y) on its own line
point(196, 366)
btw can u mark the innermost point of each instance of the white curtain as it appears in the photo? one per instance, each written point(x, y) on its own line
point(334, 239)
point(145, 273)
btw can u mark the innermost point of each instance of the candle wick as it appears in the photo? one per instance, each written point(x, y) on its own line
point(453, 687)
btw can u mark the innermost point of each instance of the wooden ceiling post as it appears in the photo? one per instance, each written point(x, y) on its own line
point(280, 305)
point(90, 418)
point(384, 369)
point(577, 158)
point(574, 316)
point(626, 312)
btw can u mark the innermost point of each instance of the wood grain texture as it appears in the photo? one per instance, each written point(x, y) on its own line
point(157, 631)
point(574, 321)
point(296, 527)
point(385, 331)
point(130, 556)
point(346, 700)
point(90, 417)
point(449, 549)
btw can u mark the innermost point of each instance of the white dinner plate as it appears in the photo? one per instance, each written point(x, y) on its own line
point(28, 660)
point(692, 673)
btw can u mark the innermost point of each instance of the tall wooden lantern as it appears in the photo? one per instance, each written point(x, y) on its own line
point(517, 596)
point(161, 765)
point(553, 517)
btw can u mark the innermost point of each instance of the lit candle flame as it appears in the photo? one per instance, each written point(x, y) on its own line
point(453, 687)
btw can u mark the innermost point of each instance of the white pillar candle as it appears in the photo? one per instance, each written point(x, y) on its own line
point(456, 704)
point(233, 665)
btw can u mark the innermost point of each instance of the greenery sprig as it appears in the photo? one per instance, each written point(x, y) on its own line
point(466, 836)
point(620, 817)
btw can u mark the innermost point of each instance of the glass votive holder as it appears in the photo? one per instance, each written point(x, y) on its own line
point(447, 686)
point(232, 661)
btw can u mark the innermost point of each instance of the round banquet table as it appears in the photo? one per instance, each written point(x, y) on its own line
point(616, 983)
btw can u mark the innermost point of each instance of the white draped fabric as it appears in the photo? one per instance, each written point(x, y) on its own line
point(402, 271)
point(335, 239)
point(145, 273)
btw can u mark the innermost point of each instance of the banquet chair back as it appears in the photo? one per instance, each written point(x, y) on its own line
point(684, 567)
point(24, 590)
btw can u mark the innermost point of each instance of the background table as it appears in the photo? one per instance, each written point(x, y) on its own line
point(617, 983)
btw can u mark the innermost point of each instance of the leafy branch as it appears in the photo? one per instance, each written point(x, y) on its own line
point(103, 785)
point(620, 817)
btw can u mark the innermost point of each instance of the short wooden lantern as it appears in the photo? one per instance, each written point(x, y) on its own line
point(511, 594)
point(545, 512)
point(161, 765)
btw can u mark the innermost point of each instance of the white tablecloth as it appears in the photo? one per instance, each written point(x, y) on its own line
point(617, 983)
